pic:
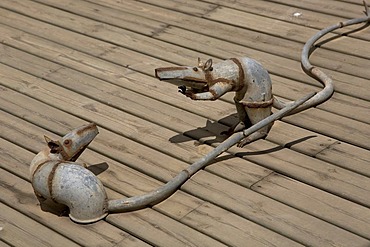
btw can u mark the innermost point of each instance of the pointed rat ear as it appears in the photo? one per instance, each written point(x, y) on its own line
point(53, 145)
point(47, 139)
point(200, 63)
point(208, 65)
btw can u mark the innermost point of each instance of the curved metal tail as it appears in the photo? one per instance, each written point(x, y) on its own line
point(315, 72)
point(163, 192)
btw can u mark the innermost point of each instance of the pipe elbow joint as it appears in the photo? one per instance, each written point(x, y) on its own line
point(76, 187)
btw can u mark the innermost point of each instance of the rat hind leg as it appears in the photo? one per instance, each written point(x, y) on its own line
point(244, 121)
point(255, 115)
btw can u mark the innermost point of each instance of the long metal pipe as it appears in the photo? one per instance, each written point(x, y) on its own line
point(315, 72)
point(158, 195)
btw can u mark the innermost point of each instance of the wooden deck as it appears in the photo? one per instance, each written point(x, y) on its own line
point(64, 63)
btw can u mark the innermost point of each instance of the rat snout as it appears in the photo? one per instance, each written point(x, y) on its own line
point(163, 73)
point(169, 73)
point(156, 74)
point(76, 141)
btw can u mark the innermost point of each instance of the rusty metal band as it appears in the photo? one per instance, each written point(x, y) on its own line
point(64, 154)
point(256, 104)
point(39, 167)
point(241, 73)
point(208, 77)
point(51, 178)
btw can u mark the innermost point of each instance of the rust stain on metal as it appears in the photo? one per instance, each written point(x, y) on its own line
point(262, 104)
point(240, 84)
point(51, 178)
point(89, 127)
point(188, 78)
point(39, 167)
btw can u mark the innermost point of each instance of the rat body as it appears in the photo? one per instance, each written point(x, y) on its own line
point(245, 76)
point(59, 181)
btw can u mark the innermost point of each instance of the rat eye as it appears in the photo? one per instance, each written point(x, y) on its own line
point(67, 142)
point(195, 69)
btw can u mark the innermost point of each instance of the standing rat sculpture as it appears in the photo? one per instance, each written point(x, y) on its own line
point(58, 180)
point(250, 81)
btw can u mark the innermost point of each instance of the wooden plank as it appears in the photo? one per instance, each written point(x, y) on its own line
point(106, 71)
point(228, 32)
point(330, 7)
point(353, 111)
point(205, 192)
point(342, 213)
point(325, 123)
point(324, 148)
point(10, 191)
point(347, 156)
point(309, 18)
point(339, 103)
point(352, 1)
point(259, 232)
point(196, 8)
point(263, 207)
point(3, 244)
point(166, 205)
point(129, 224)
point(330, 59)
point(362, 90)
point(276, 65)
point(98, 30)
point(201, 186)
point(356, 135)
point(106, 15)
point(16, 159)
point(238, 236)
point(282, 12)
point(224, 223)
point(210, 108)
point(124, 124)
point(80, 42)
point(159, 230)
point(321, 176)
point(106, 67)
point(355, 195)
point(327, 56)
point(18, 193)
point(19, 230)
point(286, 30)
point(180, 233)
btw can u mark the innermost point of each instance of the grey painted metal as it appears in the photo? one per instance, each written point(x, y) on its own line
point(58, 179)
point(245, 76)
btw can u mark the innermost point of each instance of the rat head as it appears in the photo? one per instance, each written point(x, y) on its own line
point(193, 78)
point(71, 146)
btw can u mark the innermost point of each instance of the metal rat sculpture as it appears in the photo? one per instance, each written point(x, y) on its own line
point(57, 179)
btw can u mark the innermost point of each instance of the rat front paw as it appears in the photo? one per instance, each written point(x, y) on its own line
point(182, 89)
